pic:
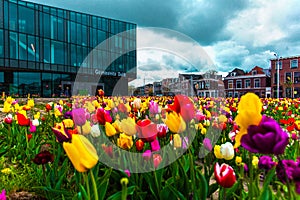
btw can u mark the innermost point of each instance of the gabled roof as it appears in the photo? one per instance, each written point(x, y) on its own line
point(237, 71)
point(258, 70)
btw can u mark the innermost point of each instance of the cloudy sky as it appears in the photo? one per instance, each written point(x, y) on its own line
point(193, 34)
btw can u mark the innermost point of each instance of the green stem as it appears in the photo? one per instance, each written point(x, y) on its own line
point(86, 180)
point(94, 186)
point(156, 182)
point(250, 189)
point(124, 192)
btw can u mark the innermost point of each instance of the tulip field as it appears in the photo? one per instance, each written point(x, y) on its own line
point(179, 147)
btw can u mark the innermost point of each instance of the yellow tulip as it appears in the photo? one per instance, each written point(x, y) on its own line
point(255, 161)
point(238, 160)
point(90, 107)
point(128, 126)
point(217, 152)
point(177, 141)
point(203, 131)
point(37, 115)
point(249, 113)
point(30, 103)
point(81, 152)
point(68, 123)
point(125, 141)
point(117, 125)
point(86, 128)
point(9, 100)
point(110, 130)
point(175, 122)
point(6, 107)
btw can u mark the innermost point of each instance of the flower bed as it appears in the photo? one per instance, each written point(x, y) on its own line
point(151, 147)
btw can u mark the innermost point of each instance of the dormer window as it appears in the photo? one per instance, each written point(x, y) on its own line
point(254, 72)
point(233, 74)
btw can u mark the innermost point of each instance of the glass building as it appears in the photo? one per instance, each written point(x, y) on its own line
point(43, 48)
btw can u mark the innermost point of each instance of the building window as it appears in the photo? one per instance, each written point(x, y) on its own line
point(296, 77)
point(238, 84)
point(296, 92)
point(288, 92)
point(232, 73)
point(254, 72)
point(247, 83)
point(294, 63)
point(275, 78)
point(280, 64)
point(236, 94)
point(288, 77)
point(230, 84)
point(256, 83)
point(229, 94)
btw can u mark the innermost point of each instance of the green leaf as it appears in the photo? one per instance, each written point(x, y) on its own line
point(266, 190)
point(202, 190)
point(83, 192)
point(117, 195)
point(104, 184)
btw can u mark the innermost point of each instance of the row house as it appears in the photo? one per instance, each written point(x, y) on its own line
point(157, 88)
point(210, 85)
point(289, 76)
point(238, 82)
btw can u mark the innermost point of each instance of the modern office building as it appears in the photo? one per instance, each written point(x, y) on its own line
point(42, 49)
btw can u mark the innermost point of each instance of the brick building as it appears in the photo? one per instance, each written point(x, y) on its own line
point(239, 82)
point(289, 77)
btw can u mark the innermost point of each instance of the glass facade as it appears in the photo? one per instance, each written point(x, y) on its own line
point(43, 47)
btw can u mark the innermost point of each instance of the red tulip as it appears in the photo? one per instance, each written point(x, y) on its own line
point(22, 120)
point(8, 119)
point(48, 107)
point(103, 116)
point(224, 175)
point(147, 130)
point(183, 105)
point(139, 145)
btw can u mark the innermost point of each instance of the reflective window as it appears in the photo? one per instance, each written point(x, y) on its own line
point(60, 29)
point(101, 36)
point(79, 38)
point(13, 45)
point(73, 55)
point(79, 56)
point(6, 14)
point(22, 47)
point(1, 44)
point(57, 52)
point(53, 26)
point(29, 83)
point(47, 51)
point(13, 16)
point(26, 20)
point(84, 35)
point(73, 32)
point(46, 24)
point(31, 48)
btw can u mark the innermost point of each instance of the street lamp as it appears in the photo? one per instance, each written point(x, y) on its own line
point(277, 56)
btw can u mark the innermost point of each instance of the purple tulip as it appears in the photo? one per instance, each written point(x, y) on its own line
point(266, 138)
point(79, 116)
point(185, 142)
point(68, 115)
point(285, 170)
point(207, 144)
point(266, 162)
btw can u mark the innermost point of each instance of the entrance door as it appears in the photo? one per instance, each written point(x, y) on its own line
point(95, 89)
point(46, 88)
point(67, 90)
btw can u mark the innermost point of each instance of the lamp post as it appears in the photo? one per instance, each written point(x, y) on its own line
point(277, 56)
